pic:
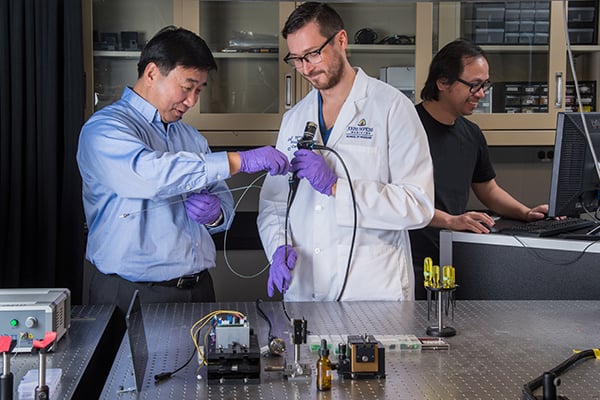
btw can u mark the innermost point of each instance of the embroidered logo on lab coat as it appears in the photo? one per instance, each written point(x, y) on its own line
point(360, 131)
point(292, 143)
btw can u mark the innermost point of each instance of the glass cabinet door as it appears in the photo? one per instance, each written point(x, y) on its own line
point(525, 50)
point(382, 41)
point(250, 89)
point(582, 25)
point(120, 29)
point(519, 63)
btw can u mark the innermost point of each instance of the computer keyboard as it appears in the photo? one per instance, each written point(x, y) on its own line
point(544, 227)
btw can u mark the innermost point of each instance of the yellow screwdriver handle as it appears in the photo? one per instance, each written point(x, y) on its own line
point(445, 276)
point(436, 276)
point(427, 271)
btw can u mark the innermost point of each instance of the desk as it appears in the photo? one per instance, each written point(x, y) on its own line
point(504, 267)
point(84, 354)
point(499, 346)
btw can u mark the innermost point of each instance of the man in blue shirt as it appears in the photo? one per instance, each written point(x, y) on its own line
point(153, 192)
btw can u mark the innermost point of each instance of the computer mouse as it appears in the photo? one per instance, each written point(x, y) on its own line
point(492, 229)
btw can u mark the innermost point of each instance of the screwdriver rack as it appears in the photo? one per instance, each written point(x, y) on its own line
point(443, 296)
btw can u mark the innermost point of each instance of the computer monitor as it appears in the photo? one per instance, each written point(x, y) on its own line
point(574, 186)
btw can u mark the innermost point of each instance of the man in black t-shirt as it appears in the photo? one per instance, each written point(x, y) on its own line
point(458, 79)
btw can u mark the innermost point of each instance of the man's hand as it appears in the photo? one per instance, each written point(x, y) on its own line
point(203, 207)
point(537, 213)
point(264, 158)
point(284, 260)
point(308, 164)
point(478, 222)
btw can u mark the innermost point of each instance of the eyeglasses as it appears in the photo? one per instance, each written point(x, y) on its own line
point(313, 57)
point(476, 87)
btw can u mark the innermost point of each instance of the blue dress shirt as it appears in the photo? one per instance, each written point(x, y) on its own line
point(136, 172)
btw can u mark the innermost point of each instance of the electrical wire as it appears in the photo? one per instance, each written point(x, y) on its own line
point(195, 333)
point(290, 199)
point(355, 219)
point(552, 261)
point(182, 199)
point(592, 214)
point(285, 311)
point(276, 346)
point(202, 322)
point(245, 189)
point(264, 316)
point(165, 375)
point(225, 256)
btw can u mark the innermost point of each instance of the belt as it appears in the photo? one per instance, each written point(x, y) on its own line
point(183, 282)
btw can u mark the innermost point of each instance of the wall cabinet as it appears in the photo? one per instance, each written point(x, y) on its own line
point(118, 31)
point(385, 42)
point(395, 41)
point(252, 87)
point(249, 92)
point(526, 46)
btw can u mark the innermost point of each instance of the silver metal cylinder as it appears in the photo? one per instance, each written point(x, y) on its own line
point(42, 370)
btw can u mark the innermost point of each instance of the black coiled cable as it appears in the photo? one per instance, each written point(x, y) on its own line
point(292, 195)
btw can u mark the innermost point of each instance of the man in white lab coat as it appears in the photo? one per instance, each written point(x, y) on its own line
point(376, 135)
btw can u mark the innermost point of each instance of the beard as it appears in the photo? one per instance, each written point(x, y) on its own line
point(332, 76)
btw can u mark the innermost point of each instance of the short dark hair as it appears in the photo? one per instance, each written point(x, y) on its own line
point(328, 20)
point(172, 47)
point(448, 64)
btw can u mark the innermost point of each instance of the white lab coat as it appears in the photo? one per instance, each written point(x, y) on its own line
point(380, 138)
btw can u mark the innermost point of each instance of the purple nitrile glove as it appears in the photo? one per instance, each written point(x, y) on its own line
point(203, 207)
point(279, 273)
point(310, 165)
point(266, 157)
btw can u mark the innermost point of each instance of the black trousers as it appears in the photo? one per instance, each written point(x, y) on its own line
point(112, 289)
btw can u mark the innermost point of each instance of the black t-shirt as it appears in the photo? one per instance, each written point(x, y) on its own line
point(460, 157)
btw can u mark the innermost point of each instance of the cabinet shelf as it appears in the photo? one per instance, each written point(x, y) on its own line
point(586, 48)
point(117, 53)
point(243, 55)
point(382, 48)
point(515, 49)
point(218, 54)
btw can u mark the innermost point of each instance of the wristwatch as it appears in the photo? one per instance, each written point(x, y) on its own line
point(216, 222)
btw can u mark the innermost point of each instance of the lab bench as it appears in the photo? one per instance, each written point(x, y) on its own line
point(84, 354)
point(499, 347)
